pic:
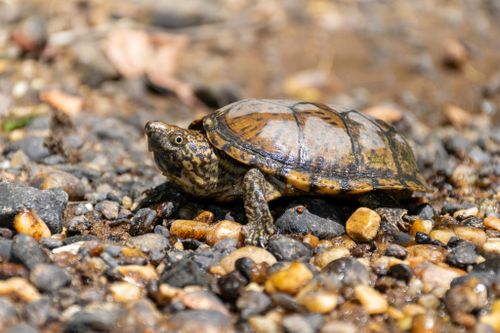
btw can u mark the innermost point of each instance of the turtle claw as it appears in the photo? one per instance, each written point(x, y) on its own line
point(255, 235)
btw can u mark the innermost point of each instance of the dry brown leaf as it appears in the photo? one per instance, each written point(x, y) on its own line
point(69, 104)
point(129, 51)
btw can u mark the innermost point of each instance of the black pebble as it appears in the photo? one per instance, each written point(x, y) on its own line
point(400, 272)
point(288, 249)
point(27, 251)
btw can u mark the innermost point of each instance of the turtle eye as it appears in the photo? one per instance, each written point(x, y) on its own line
point(177, 139)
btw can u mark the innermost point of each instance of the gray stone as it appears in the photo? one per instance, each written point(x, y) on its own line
point(5, 249)
point(48, 204)
point(185, 272)
point(27, 251)
point(96, 317)
point(153, 244)
point(288, 249)
point(296, 323)
point(109, 209)
point(348, 270)
point(22, 328)
point(8, 313)
point(32, 146)
point(251, 303)
point(299, 220)
point(49, 277)
point(200, 321)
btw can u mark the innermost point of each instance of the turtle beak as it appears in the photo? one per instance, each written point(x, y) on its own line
point(156, 132)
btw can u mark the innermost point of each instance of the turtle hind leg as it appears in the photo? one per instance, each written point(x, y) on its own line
point(256, 193)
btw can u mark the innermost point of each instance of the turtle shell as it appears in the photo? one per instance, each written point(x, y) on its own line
point(313, 147)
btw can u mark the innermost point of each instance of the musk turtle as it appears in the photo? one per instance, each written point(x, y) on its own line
point(260, 150)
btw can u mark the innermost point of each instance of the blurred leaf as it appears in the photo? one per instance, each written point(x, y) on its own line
point(12, 124)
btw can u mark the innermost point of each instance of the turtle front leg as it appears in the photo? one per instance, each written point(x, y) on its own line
point(256, 192)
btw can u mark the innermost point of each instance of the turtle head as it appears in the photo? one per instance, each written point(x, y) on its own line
point(185, 156)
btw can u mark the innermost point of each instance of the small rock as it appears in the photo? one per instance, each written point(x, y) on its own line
point(208, 321)
point(425, 323)
point(26, 250)
point(230, 285)
point(22, 328)
point(456, 54)
point(223, 230)
point(492, 246)
point(96, 316)
point(464, 299)
point(94, 67)
point(124, 292)
point(434, 276)
point(48, 204)
point(184, 273)
point(349, 270)
point(462, 255)
point(49, 178)
point(19, 288)
point(288, 249)
point(339, 327)
point(37, 312)
point(296, 323)
point(251, 303)
point(492, 222)
point(142, 222)
point(256, 254)
point(32, 146)
point(189, 229)
point(423, 226)
point(138, 275)
point(31, 34)
point(49, 277)
point(442, 235)
point(427, 252)
point(5, 249)
point(299, 220)
point(319, 301)
point(203, 300)
point(474, 235)
point(28, 222)
point(397, 251)
point(109, 209)
point(400, 272)
point(152, 244)
point(325, 257)
point(8, 313)
point(372, 301)
point(363, 225)
point(289, 279)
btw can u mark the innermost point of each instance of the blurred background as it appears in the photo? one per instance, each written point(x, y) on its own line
point(437, 62)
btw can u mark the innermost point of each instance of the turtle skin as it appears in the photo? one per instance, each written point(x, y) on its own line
point(263, 149)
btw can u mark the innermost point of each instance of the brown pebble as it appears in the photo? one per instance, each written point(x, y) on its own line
point(492, 222)
point(257, 254)
point(325, 257)
point(372, 301)
point(312, 240)
point(474, 235)
point(49, 178)
point(492, 246)
point(319, 301)
point(124, 292)
point(434, 276)
point(205, 217)
point(363, 225)
point(425, 323)
point(424, 226)
point(427, 252)
point(19, 288)
point(189, 229)
point(139, 275)
point(225, 229)
point(28, 222)
point(289, 279)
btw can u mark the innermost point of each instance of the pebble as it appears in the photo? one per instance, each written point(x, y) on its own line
point(109, 209)
point(425, 323)
point(363, 225)
point(464, 299)
point(94, 67)
point(154, 245)
point(28, 222)
point(189, 229)
point(427, 252)
point(319, 301)
point(22, 328)
point(289, 279)
point(268, 323)
point(423, 226)
point(230, 285)
point(49, 178)
point(5, 249)
point(124, 292)
point(462, 255)
point(37, 312)
point(202, 300)
point(325, 257)
point(142, 222)
point(19, 288)
point(442, 235)
point(48, 204)
point(339, 327)
point(492, 246)
point(299, 220)
point(397, 251)
point(434, 276)
point(8, 313)
point(49, 277)
point(223, 230)
point(400, 272)
point(26, 250)
point(185, 272)
point(288, 249)
point(138, 275)
point(256, 254)
point(101, 315)
point(32, 146)
point(251, 303)
point(372, 301)
point(474, 235)
point(207, 321)
point(349, 271)
point(492, 222)
point(297, 323)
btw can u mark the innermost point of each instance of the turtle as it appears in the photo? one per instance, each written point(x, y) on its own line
point(261, 149)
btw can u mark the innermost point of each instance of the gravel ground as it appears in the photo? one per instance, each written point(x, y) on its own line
point(92, 238)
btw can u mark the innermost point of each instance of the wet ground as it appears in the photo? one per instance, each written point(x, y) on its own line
point(83, 247)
